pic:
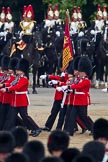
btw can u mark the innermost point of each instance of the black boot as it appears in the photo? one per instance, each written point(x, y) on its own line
point(83, 130)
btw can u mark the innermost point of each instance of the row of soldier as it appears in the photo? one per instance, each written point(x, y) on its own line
point(14, 95)
point(71, 97)
point(27, 24)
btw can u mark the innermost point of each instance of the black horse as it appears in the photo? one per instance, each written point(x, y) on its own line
point(48, 36)
point(102, 58)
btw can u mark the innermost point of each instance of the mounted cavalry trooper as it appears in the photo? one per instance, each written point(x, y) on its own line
point(74, 28)
point(58, 23)
point(27, 24)
point(9, 25)
point(97, 31)
point(2, 18)
point(81, 23)
point(49, 21)
point(98, 26)
point(2, 23)
point(57, 19)
point(105, 14)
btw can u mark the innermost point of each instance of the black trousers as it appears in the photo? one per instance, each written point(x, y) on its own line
point(54, 112)
point(68, 113)
point(62, 116)
point(12, 117)
point(3, 114)
point(67, 116)
point(81, 112)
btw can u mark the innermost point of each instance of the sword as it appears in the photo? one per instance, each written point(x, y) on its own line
point(64, 98)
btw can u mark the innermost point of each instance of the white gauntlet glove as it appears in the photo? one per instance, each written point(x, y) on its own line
point(43, 76)
point(62, 74)
point(64, 88)
point(50, 83)
point(55, 82)
point(59, 89)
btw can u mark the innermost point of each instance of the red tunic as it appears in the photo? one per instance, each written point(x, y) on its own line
point(81, 96)
point(7, 97)
point(20, 98)
point(59, 78)
point(71, 94)
point(1, 77)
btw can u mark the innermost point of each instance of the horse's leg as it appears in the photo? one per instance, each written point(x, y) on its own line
point(34, 71)
point(106, 73)
point(101, 73)
point(38, 76)
point(97, 72)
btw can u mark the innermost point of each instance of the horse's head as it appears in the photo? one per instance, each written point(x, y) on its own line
point(37, 37)
point(48, 36)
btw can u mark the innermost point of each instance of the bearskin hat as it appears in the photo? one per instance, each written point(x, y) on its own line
point(51, 159)
point(57, 140)
point(34, 150)
point(100, 129)
point(75, 63)
point(70, 69)
point(23, 65)
point(85, 65)
point(84, 157)
point(69, 154)
point(5, 62)
point(95, 149)
point(17, 157)
point(20, 132)
point(12, 64)
point(7, 142)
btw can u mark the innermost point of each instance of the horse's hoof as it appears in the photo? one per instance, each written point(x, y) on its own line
point(105, 90)
point(34, 92)
point(97, 87)
point(28, 92)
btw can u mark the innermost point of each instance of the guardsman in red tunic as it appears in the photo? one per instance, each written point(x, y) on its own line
point(68, 104)
point(81, 96)
point(57, 99)
point(6, 99)
point(20, 101)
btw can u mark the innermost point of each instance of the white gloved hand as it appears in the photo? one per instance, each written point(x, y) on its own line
point(92, 32)
point(81, 34)
point(43, 76)
point(62, 74)
point(58, 33)
point(59, 89)
point(1, 34)
point(54, 82)
point(64, 88)
point(21, 34)
point(50, 83)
